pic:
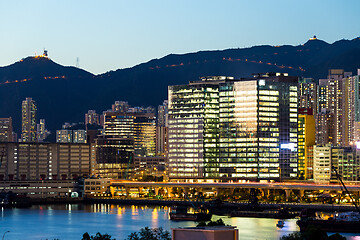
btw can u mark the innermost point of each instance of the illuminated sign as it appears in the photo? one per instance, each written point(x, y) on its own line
point(290, 146)
point(261, 82)
point(357, 145)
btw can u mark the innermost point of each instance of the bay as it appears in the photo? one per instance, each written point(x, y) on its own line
point(71, 221)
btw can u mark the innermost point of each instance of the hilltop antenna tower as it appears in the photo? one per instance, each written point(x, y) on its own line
point(77, 62)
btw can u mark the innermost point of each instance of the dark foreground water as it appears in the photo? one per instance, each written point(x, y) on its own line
point(69, 222)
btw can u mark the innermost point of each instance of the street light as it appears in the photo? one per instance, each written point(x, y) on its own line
point(4, 234)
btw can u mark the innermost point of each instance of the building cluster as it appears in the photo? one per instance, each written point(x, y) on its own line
point(31, 130)
point(118, 144)
point(270, 127)
point(329, 118)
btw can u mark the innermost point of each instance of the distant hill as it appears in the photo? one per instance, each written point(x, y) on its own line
point(64, 94)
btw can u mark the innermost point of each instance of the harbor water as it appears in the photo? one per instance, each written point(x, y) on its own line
point(71, 221)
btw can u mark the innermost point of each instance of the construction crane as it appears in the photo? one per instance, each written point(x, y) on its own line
point(347, 191)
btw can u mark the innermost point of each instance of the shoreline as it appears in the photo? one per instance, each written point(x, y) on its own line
point(224, 206)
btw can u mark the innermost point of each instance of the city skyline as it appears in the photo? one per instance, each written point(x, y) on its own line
point(127, 114)
point(117, 34)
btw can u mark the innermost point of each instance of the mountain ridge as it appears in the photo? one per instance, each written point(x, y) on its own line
point(65, 93)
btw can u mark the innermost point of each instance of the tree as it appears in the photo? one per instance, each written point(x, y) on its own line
point(293, 236)
point(312, 232)
point(218, 222)
point(336, 236)
point(98, 236)
point(150, 234)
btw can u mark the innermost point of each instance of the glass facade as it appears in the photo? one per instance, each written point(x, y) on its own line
point(114, 157)
point(119, 125)
point(245, 129)
point(186, 124)
point(238, 130)
point(144, 135)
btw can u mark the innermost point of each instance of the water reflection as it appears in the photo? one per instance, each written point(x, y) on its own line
point(71, 221)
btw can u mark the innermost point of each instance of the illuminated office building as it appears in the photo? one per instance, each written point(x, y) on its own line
point(144, 134)
point(149, 166)
point(191, 128)
point(119, 125)
point(114, 157)
point(226, 129)
point(28, 120)
point(141, 127)
point(6, 134)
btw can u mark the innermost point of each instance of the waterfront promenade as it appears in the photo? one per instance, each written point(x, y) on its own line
point(256, 185)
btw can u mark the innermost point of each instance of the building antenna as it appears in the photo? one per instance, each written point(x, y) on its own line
point(77, 62)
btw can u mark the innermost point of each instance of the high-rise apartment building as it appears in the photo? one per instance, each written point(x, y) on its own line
point(334, 93)
point(162, 129)
point(71, 136)
point(41, 132)
point(351, 103)
point(120, 106)
point(162, 115)
point(79, 136)
point(6, 132)
point(325, 128)
point(64, 136)
point(226, 129)
point(306, 141)
point(28, 112)
point(308, 94)
point(91, 117)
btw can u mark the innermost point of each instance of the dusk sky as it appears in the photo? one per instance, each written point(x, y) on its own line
point(108, 35)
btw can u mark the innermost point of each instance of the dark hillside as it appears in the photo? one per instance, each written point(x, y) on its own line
point(65, 94)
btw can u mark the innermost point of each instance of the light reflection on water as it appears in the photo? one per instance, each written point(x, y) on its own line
point(71, 221)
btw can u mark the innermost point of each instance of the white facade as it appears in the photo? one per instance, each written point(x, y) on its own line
point(322, 163)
